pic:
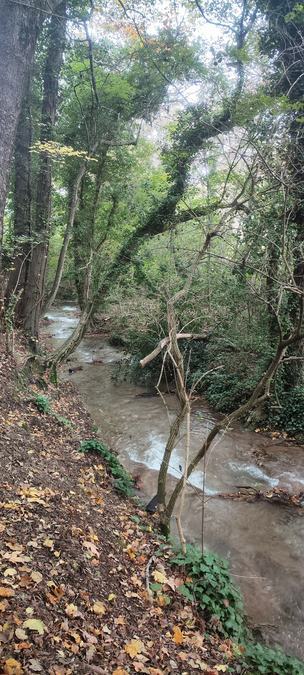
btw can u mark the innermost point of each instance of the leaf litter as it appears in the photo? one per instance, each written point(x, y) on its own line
point(74, 556)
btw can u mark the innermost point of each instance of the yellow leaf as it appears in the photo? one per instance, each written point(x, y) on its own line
point(49, 543)
point(159, 577)
point(221, 668)
point(99, 608)
point(71, 610)
point(34, 624)
point(177, 635)
point(12, 667)
point(134, 647)
point(112, 596)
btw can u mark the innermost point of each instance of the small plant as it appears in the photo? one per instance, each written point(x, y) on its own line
point(210, 586)
point(123, 481)
point(42, 404)
point(260, 659)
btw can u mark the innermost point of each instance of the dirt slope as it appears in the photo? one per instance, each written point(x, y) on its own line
point(75, 557)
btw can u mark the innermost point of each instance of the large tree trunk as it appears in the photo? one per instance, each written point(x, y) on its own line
point(34, 290)
point(19, 28)
point(22, 205)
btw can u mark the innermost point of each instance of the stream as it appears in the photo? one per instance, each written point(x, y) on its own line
point(264, 542)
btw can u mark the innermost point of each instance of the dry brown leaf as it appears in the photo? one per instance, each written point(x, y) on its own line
point(12, 667)
point(120, 671)
point(99, 608)
point(134, 647)
point(71, 610)
point(178, 636)
point(6, 592)
point(36, 576)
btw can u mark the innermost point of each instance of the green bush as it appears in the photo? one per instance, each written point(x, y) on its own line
point(290, 416)
point(123, 481)
point(260, 659)
point(210, 586)
point(42, 404)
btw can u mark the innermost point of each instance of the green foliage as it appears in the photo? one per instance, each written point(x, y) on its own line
point(260, 659)
point(42, 404)
point(290, 416)
point(123, 481)
point(211, 587)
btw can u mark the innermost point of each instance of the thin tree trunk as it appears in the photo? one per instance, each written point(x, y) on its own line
point(72, 208)
point(36, 279)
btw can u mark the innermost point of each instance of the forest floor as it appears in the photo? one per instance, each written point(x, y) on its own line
point(75, 557)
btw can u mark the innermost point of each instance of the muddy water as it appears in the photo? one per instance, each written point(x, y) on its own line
point(263, 542)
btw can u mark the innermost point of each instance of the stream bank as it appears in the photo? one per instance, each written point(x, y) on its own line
point(263, 542)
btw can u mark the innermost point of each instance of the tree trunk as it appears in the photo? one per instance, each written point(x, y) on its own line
point(72, 208)
point(36, 278)
point(22, 205)
point(19, 28)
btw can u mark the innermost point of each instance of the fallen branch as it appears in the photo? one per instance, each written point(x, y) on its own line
point(276, 495)
point(165, 341)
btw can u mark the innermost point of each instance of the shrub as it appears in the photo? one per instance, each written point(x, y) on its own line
point(290, 416)
point(261, 659)
point(211, 587)
point(123, 481)
point(42, 404)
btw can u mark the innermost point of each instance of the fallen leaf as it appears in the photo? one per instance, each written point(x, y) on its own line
point(10, 572)
point(49, 543)
point(112, 596)
point(71, 610)
point(120, 621)
point(12, 667)
point(119, 671)
point(35, 665)
point(34, 624)
point(20, 634)
point(221, 668)
point(177, 635)
point(159, 577)
point(37, 577)
point(134, 647)
point(6, 592)
point(91, 548)
point(99, 608)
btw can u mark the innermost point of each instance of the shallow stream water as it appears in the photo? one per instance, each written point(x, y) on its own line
point(264, 542)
